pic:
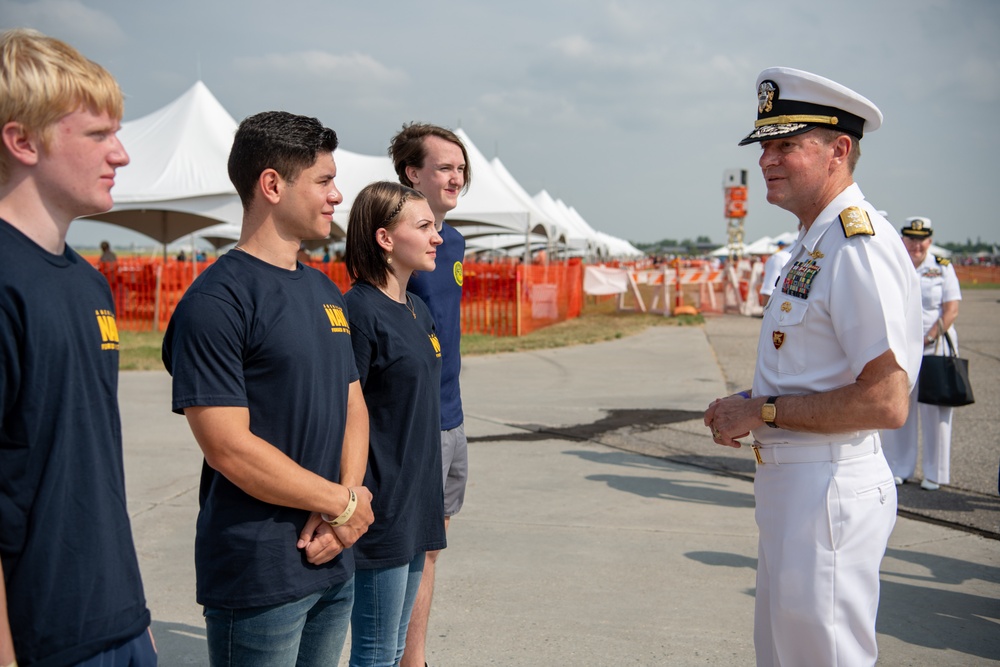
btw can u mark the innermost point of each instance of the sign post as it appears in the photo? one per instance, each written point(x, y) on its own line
point(734, 184)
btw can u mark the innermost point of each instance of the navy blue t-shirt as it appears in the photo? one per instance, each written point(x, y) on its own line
point(399, 360)
point(441, 290)
point(69, 563)
point(249, 334)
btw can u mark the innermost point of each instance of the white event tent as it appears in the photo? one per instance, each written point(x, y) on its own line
point(177, 182)
point(577, 241)
point(354, 172)
point(222, 234)
point(552, 231)
point(601, 247)
point(618, 247)
point(489, 206)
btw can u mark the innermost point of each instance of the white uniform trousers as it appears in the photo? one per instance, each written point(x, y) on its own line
point(933, 423)
point(823, 532)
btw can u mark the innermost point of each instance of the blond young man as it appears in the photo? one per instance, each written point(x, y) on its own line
point(71, 591)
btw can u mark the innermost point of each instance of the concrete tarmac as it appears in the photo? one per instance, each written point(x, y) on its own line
point(601, 527)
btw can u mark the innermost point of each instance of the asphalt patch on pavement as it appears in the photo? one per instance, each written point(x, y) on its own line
point(968, 511)
point(956, 508)
point(637, 420)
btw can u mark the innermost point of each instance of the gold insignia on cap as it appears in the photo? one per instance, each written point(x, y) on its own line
point(816, 254)
point(777, 337)
point(766, 93)
point(786, 307)
point(856, 221)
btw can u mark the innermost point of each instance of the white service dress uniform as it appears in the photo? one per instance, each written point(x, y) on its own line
point(826, 504)
point(938, 285)
point(772, 269)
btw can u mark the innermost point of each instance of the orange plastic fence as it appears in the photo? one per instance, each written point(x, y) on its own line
point(513, 300)
point(977, 274)
point(146, 290)
point(497, 299)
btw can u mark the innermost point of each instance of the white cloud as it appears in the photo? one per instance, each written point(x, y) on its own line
point(542, 108)
point(574, 47)
point(625, 20)
point(69, 20)
point(322, 66)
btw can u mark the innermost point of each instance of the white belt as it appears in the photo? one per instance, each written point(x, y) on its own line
point(781, 454)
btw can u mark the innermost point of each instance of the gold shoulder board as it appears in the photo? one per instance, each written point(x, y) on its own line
point(943, 261)
point(856, 221)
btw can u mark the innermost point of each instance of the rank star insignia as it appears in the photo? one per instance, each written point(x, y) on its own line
point(856, 221)
point(777, 337)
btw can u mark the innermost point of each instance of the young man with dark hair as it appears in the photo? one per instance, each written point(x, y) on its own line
point(433, 161)
point(71, 590)
point(260, 352)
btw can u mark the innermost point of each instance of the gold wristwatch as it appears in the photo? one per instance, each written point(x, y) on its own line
point(768, 412)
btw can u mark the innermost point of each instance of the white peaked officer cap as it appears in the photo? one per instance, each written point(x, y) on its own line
point(917, 227)
point(790, 102)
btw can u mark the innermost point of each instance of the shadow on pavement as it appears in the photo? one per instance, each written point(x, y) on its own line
point(705, 493)
point(914, 613)
point(940, 619)
point(702, 491)
point(180, 644)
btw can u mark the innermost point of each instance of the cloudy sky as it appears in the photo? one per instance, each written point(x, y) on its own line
point(628, 110)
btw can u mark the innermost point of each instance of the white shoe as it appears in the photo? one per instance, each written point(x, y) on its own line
point(898, 480)
point(928, 485)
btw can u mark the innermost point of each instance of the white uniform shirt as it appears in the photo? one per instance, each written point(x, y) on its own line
point(840, 303)
point(938, 285)
point(772, 269)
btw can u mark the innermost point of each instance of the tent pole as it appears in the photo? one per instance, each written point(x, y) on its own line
point(527, 239)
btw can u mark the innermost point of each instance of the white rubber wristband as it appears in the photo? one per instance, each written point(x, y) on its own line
point(348, 512)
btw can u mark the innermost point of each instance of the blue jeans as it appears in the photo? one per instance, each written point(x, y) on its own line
point(136, 652)
point(308, 632)
point(382, 613)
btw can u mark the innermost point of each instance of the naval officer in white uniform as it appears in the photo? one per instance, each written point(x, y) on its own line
point(940, 294)
point(839, 352)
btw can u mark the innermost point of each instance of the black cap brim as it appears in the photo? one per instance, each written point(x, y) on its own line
point(768, 132)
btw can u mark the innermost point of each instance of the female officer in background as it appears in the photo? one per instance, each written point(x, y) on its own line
point(940, 294)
